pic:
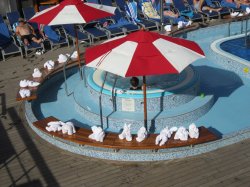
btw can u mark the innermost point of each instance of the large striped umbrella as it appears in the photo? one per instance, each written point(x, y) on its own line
point(72, 12)
point(143, 53)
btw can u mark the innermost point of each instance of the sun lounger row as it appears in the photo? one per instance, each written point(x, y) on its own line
point(130, 16)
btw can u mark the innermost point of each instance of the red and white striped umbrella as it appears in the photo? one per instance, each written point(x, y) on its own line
point(143, 53)
point(72, 12)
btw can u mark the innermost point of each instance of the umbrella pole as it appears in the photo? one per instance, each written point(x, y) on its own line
point(78, 52)
point(145, 101)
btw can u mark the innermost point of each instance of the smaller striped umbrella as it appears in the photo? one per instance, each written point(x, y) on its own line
point(143, 53)
point(72, 12)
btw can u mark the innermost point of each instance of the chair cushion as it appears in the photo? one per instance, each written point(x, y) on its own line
point(149, 10)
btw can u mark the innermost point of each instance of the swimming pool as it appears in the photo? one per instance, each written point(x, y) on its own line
point(238, 47)
point(226, 89)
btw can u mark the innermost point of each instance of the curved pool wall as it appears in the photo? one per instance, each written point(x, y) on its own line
point(227, 60)
point(232, 123)
point(183, 89)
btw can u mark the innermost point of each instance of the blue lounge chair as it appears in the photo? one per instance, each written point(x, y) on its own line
point(70, 30)
point(133, 15)
point(93, 30)
point(28, 13)
point(143, 5)
point(12, 18)
point(216, 4)
point(169, 7)
point(1, 19)
point(108, 25)
point(186, 11)
point(123, 22)
point(232, 6)
point(54, 36)
point(209, 15)
point(7, 42)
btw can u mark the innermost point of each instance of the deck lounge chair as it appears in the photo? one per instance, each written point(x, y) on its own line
point(12, 18)
point(150, 13)
point(28, 13)
point(54, 36)
point(104, 23)
point(123, 22)
point(216, 4)
point(7, 42)
point(132, 14)
point(70, 31)
point(93, 30)
point(186, 11)
point(209, 15)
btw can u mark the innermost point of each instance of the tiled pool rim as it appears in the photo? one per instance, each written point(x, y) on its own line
point(148, 155)
point(136, 155)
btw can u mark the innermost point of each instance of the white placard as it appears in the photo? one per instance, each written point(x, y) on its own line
point(128, 105)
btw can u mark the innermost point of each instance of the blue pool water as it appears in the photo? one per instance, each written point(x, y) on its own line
point(237, 47)
point(229, 114)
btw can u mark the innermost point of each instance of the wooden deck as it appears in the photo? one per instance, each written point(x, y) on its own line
point(112, 140)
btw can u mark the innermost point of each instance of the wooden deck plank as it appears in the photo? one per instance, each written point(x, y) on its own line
point(112, 140)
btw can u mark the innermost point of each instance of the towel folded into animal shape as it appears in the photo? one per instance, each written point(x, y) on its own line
point(37, 73)
point(24, 93)
point(193, 131)
point(141, 134)
point(74, 55)
point(68, 128)
point(163, 137)
point(168, 28)
point(126, 133)
point(181, 134)
point(62, 58)
point(49, 65)
point(54, 126)
point(98, 134)
point(182, 24)
point(27, 83)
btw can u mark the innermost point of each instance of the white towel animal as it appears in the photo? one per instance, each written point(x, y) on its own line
point(141, 134)
point(247, 10)
point(98, 134)
point(62, 58)
point(168, 28)
point(234, 14)
point(162, 138)
point(193, 131)
point(23, 83)
point(24, 93)
point(181, 134)
point(37, 73)
point(27, 83)
point(68, 128)
point(54, 126)
point(126, 133)
point(49, 65)
point(180, 24)
point(74, 55)
point(173, 129)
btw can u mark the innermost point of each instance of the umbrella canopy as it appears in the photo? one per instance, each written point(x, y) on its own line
point(143, 53)
point(72, 12)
